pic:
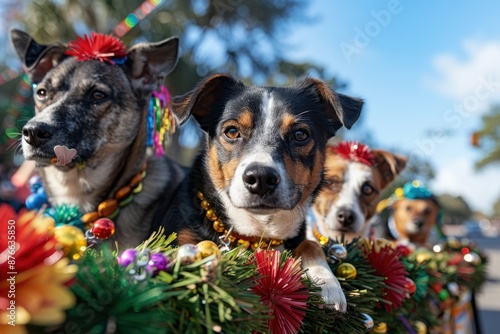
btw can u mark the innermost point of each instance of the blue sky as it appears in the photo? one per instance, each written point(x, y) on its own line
point(424, 69)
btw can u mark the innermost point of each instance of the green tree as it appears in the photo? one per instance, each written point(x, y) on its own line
point(15, 109)
point(489, 137)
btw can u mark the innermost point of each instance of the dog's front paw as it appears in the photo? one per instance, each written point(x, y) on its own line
point(331, 291)
point(318, 270)
point(333, 296)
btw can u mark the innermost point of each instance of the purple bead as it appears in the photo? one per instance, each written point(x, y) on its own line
point(157, 263)
point(127, 257)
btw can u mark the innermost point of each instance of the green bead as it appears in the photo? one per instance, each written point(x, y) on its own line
point(444, 295)
point(126, 200)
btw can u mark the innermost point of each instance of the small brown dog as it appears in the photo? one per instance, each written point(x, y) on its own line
point(355, 176)
point(414, 214)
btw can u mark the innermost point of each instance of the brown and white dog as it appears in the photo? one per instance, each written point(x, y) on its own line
point(261, 168)
point(414, 219)
point(354, 178)
point(97, 109)
point(412, 214)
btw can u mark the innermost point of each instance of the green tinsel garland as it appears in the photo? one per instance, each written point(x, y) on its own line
point(202, 297)
point(362, 293)
point(419, 306)
point(214, 294)
point(108, 296)
point(468, 274)
point(65, 214)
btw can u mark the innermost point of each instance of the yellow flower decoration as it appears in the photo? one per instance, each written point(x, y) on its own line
point(33, 274)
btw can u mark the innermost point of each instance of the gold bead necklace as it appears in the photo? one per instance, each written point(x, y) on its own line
point(320, 237)
point(110, 208)
point(234, 238)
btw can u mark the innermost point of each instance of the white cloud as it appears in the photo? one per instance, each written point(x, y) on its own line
point(459, 77)
point(471, 81)
point(479, 188)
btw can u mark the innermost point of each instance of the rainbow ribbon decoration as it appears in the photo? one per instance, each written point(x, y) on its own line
point(160, 121)
point(8, 75)
point(135, 17)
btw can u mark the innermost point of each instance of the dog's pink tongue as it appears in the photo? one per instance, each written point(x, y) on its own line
point(64, 155)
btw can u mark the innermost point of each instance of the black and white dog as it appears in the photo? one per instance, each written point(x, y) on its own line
point(262, 166)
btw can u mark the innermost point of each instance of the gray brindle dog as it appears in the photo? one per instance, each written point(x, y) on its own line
point(100, 110)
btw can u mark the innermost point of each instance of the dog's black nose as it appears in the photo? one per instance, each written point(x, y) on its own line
point(419, 223)
point(260, 180)
point(345, 216)
point(36, 134)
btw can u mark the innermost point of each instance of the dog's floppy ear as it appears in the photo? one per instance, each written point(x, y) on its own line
point(37, 59)
point(342, 110)
point(150, 63)
point(389, 165)
point(211, 94)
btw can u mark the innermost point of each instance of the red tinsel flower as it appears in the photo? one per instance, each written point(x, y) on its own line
point(403, 250)
point(385, 261)
point(355, 151)
point(98, 46)
point(6, 213)
point(32, 243)
point(281, 289)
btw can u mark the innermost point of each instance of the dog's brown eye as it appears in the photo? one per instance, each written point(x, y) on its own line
point(97, 95)
point(41, 94)
point(300, 135)
point(367, 189)
point(232, 133)
point(334, 186)
point(333, 183)
point(408, 208)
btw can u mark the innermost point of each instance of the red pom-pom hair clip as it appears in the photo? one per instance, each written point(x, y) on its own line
point(354, 151)
point(105, 48)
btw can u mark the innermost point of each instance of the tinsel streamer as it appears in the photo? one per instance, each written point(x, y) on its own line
point(160, 121)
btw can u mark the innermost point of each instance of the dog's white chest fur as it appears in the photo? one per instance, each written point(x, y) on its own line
point(77, 187)
point(68, 188)
point(283, 224)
